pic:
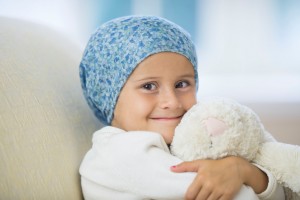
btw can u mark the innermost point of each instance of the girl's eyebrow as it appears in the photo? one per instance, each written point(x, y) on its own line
point(157, 77)
point(146, 78)
point(188, 76)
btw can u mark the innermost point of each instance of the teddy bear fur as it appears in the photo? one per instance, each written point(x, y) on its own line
point(241, 134)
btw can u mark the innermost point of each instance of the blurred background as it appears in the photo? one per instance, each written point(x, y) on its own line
point(248, 50)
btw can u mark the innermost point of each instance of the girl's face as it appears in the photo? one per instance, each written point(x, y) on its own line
point(156, 95)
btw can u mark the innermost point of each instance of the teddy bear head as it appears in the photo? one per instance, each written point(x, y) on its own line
point(216, 128)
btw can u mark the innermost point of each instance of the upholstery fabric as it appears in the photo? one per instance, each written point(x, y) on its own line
point(45, 124)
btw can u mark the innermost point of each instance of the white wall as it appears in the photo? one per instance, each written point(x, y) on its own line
point(74, 18)
point(249, 51)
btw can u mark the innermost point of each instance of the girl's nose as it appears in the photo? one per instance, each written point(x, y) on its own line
point(169, 100)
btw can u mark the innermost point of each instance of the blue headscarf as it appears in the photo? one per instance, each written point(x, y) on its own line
point(117, 47)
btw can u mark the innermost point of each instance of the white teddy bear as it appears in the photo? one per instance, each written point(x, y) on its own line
point(221, 127)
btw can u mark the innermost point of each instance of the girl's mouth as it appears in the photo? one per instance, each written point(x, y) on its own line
point(172, 118)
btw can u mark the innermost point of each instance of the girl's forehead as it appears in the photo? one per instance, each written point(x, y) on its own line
point(162, 64)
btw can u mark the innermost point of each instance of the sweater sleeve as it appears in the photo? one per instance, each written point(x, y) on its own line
point(274, 190)
point(131, 164)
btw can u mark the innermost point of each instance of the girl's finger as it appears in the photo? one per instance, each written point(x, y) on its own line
point(194, 189)
point(191, 166)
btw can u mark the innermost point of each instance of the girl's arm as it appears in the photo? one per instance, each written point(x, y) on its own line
point(131, 165)
point(222, 177)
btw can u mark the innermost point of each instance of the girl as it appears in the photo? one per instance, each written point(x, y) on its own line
point(139, 76)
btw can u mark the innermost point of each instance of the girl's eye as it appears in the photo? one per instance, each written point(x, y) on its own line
point(149, 86)
point(182, 84)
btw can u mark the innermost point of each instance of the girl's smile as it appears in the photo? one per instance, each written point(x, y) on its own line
point(168, 119)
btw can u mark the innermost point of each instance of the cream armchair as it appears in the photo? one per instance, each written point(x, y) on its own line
point(45, 124)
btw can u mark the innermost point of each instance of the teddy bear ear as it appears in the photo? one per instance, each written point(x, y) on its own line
point(215, 126)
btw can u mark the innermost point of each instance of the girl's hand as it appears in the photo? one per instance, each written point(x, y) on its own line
point(221, 179)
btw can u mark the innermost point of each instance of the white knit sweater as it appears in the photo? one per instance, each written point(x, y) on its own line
point(136, 165)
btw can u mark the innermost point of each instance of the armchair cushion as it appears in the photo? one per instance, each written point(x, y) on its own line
point(45, 123)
